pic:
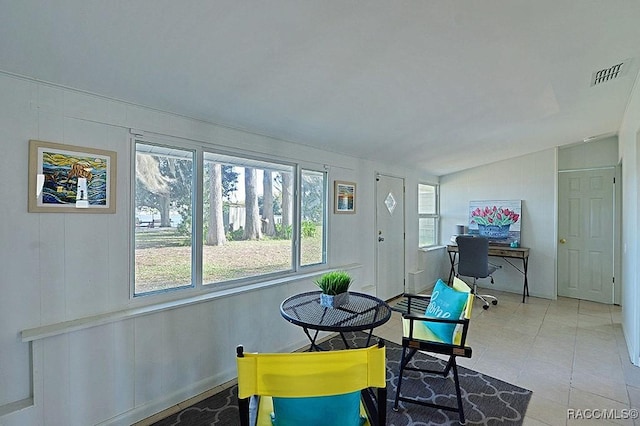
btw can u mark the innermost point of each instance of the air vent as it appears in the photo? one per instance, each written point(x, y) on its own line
point(607, 74)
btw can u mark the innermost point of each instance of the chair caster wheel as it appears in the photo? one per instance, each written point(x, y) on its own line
point(485, 307)
point(495, 302)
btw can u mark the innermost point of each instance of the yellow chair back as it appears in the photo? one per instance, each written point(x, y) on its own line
point(304, 374)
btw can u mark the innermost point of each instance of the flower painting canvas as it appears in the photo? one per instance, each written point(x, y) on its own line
point(498, 220)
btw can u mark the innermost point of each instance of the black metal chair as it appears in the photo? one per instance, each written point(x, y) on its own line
point(473, 261)
point(417, 337)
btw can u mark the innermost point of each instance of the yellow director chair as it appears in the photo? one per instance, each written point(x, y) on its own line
point(331, 388)
point(442, 329)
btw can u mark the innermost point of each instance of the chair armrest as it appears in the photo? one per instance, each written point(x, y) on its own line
point(417, 296)
point(413, 317)
point(437, 347)
point(424, 343)
point(411, 296)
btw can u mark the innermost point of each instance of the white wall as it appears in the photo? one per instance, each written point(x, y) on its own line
point(629, 140)
point(435, 264)
point(599, 153)
point(530, 178)
point(58, 268)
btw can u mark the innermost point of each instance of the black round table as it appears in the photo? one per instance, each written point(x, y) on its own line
point(362, 312)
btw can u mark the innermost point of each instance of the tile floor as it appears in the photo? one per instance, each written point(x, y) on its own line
point(570, 353)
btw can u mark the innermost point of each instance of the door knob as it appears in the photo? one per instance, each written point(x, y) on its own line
point(562, 241)
point(380, 239)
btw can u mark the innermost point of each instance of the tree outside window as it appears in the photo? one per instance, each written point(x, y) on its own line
point(246, 228)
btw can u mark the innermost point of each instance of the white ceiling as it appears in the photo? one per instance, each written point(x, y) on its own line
point(439, 85)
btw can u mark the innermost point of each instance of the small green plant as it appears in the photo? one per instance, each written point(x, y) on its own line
point(308, 229)
point(235, 235)
point(284, 232)
point(335, 282)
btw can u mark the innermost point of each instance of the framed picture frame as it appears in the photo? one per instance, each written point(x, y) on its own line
point(344, 199)
point(71, 179)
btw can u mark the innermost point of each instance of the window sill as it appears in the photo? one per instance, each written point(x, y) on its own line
point(42, 332)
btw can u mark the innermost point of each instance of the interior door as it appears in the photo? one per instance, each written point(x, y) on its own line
point(390, 236)
point(586, 234)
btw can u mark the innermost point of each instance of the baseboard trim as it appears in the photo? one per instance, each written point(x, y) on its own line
point(154, 407)
point(12, 407)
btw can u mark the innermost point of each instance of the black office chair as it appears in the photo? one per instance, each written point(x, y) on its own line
point(473, 261)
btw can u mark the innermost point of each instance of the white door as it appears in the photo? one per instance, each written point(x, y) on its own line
point(389, 236)
point(586, 234)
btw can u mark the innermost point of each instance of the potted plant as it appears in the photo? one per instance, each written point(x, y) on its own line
point(334, 288)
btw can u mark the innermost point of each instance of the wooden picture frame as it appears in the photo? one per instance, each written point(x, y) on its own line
point(344, 199)
point(71, 179)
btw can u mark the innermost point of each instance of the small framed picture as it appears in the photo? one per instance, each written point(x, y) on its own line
point(344, 197)
point(71, 179)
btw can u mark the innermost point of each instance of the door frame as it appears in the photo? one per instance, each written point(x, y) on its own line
point(617, 236)
point(617, 220)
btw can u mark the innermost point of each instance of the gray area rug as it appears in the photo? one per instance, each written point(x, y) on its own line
point(487, 400)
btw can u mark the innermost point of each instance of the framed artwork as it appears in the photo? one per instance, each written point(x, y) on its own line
point(498, 220)
point(344, 200)
point(71, 179)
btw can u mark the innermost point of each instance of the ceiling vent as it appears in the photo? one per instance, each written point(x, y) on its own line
point(608, 74)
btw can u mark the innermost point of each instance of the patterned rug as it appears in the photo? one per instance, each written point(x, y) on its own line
point(487, 400)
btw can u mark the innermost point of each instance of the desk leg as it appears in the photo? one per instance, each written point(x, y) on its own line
point(452, 259)
point(525, 288)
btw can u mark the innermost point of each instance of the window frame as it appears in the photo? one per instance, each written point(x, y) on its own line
point(325, 215)
point(435, 216)
point(163, 143)
point(197, 238)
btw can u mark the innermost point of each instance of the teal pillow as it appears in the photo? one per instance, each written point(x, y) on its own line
point(446, 303)
point(334, 410)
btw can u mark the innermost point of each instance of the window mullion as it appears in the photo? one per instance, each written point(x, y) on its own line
point(197, 221)
point(297, 199)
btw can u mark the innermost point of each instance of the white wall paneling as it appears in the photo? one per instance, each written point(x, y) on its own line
point(110, 360)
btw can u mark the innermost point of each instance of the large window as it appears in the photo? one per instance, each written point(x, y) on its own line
point(428, 215)
point(205, 218)
point(313, 217)
point(163, 225)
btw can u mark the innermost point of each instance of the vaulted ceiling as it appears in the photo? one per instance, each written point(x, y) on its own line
point(438, 85)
